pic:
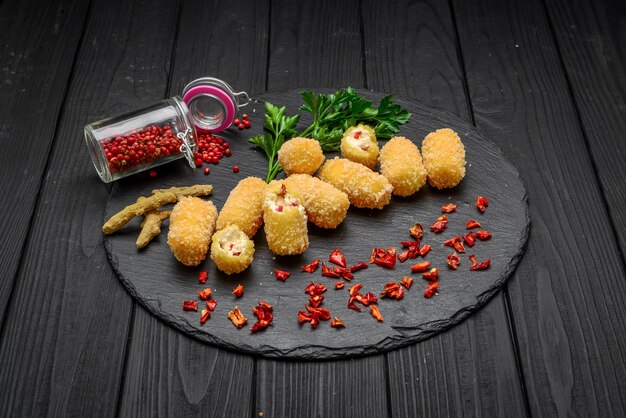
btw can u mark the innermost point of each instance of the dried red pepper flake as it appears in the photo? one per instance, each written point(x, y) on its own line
point(358, 266)
point(281, 274)
point(453, 261)
point(449, 208)
point(450, 242)
point(263, 311)
point(324, 314)
point(483, 235)
point(312, 318)
point(425, 249)
point(431, 289)
point(432, 275)
point(315, 289)
point(190, 305)
point(482, 203)
point(410, 244)
point(343, 272)
point(355, 289)
point(403, 256)
point(311, 267)
point(440, 224)
point(471, 224)
point(469, 239)
point(416, 231)
point(203, 276)
point(384, 258)
point(205, 294)
point(328, 272)
point(211, 304)
point(205, 314)
point(376, 313)
point(407, 282)
point(420, 267)
point(316, 300)
point(371, 297)
point(459, 247)
point(393, 290)
point(352, 306)
point(337, 323)
point(478, 266)
point(237, 318)
point(339, 285)
point(238, 291)
point(473, 259)
point(337, 257)
point(361, 299)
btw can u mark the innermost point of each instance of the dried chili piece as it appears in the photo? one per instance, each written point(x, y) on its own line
point(315, 289)
point(387, 260)
point(471, 224)
point(324, 314)
point(343, 272)
point(238, 291)
point(339, 285)
point(450, 242)
point(403, 256)
point(376, 254)
point(203, 276)
point(483, 235)
point(453, 261)
point(316, 300)
point(355, 289)
point(482, 203)
point(237, 318)
point(407, 282)
point(205, 314)
point(190, 305)
point(311, 267)
point(352, 306)
point(392, 290)
point(420, 267)
point(337, 323)
point(416, 231)
point(337, 257)
point(424, 249)
point(469, 239)
point(449, 208)
point(281, 274)
point(371, 297)
point(211, 304)
point(312, 318)
point(478, 266)
point(205, 294)
point(376, 313)
point(431, 289)
point(459, 247)
point(328, 272)
point(263, 311)
point(358, 266)
point(432, 275)
point(440, 224)
point(362, 299)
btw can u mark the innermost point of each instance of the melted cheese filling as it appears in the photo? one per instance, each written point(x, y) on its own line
point(232, 242)
point(282, 202)
point(360, 139)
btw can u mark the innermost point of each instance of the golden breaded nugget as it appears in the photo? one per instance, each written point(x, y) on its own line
point(285, 220)
point(244, 206)
point(192, 223)
point(401, 163)
point(365, 188)
point(300, 156)
point(444, 158)
point(359, 144)
point(325, 205)
point(231, 250)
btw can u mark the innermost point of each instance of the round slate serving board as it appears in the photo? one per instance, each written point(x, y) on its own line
point(160, 283)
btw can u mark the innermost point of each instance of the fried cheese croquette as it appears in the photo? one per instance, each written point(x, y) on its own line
point(359, 144)
point(325, 205)
point(231, 250)
point(444, 158)
point(192, 223)
point(244, 206)
point(285, 220)
point(300, 156)
point(401, 163)
point(365, 188)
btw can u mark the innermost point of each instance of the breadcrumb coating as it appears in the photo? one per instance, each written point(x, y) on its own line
point(325, 205)
point(231, 250)
point(300, 156)
point(444, 158)
point(365, 188)
point(285, 220)
point(359, 144)
point(244, 206)
point(192, 223)
point(401, 163)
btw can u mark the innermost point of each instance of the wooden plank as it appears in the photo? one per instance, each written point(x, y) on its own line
point(567, 294)
point(63, 347)
point(37, 47)
point(204, 380)
point(314, 45)
point(470, 368)
point(592, 51)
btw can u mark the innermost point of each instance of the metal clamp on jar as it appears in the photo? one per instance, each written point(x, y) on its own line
point(163, 132)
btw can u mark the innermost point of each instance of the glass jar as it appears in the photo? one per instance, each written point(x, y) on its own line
point(163, 132)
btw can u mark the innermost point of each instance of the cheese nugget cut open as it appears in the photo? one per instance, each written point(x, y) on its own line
point(325, 205)
point(365, 188)
point(285, 220)
point(444, 158)
point(192, 223)
point(231, 250)
point(300, 156)
point(401, 163)
point(244, 206)
point(359, 144)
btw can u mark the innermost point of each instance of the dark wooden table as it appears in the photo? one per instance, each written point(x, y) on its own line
point(545, 80)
